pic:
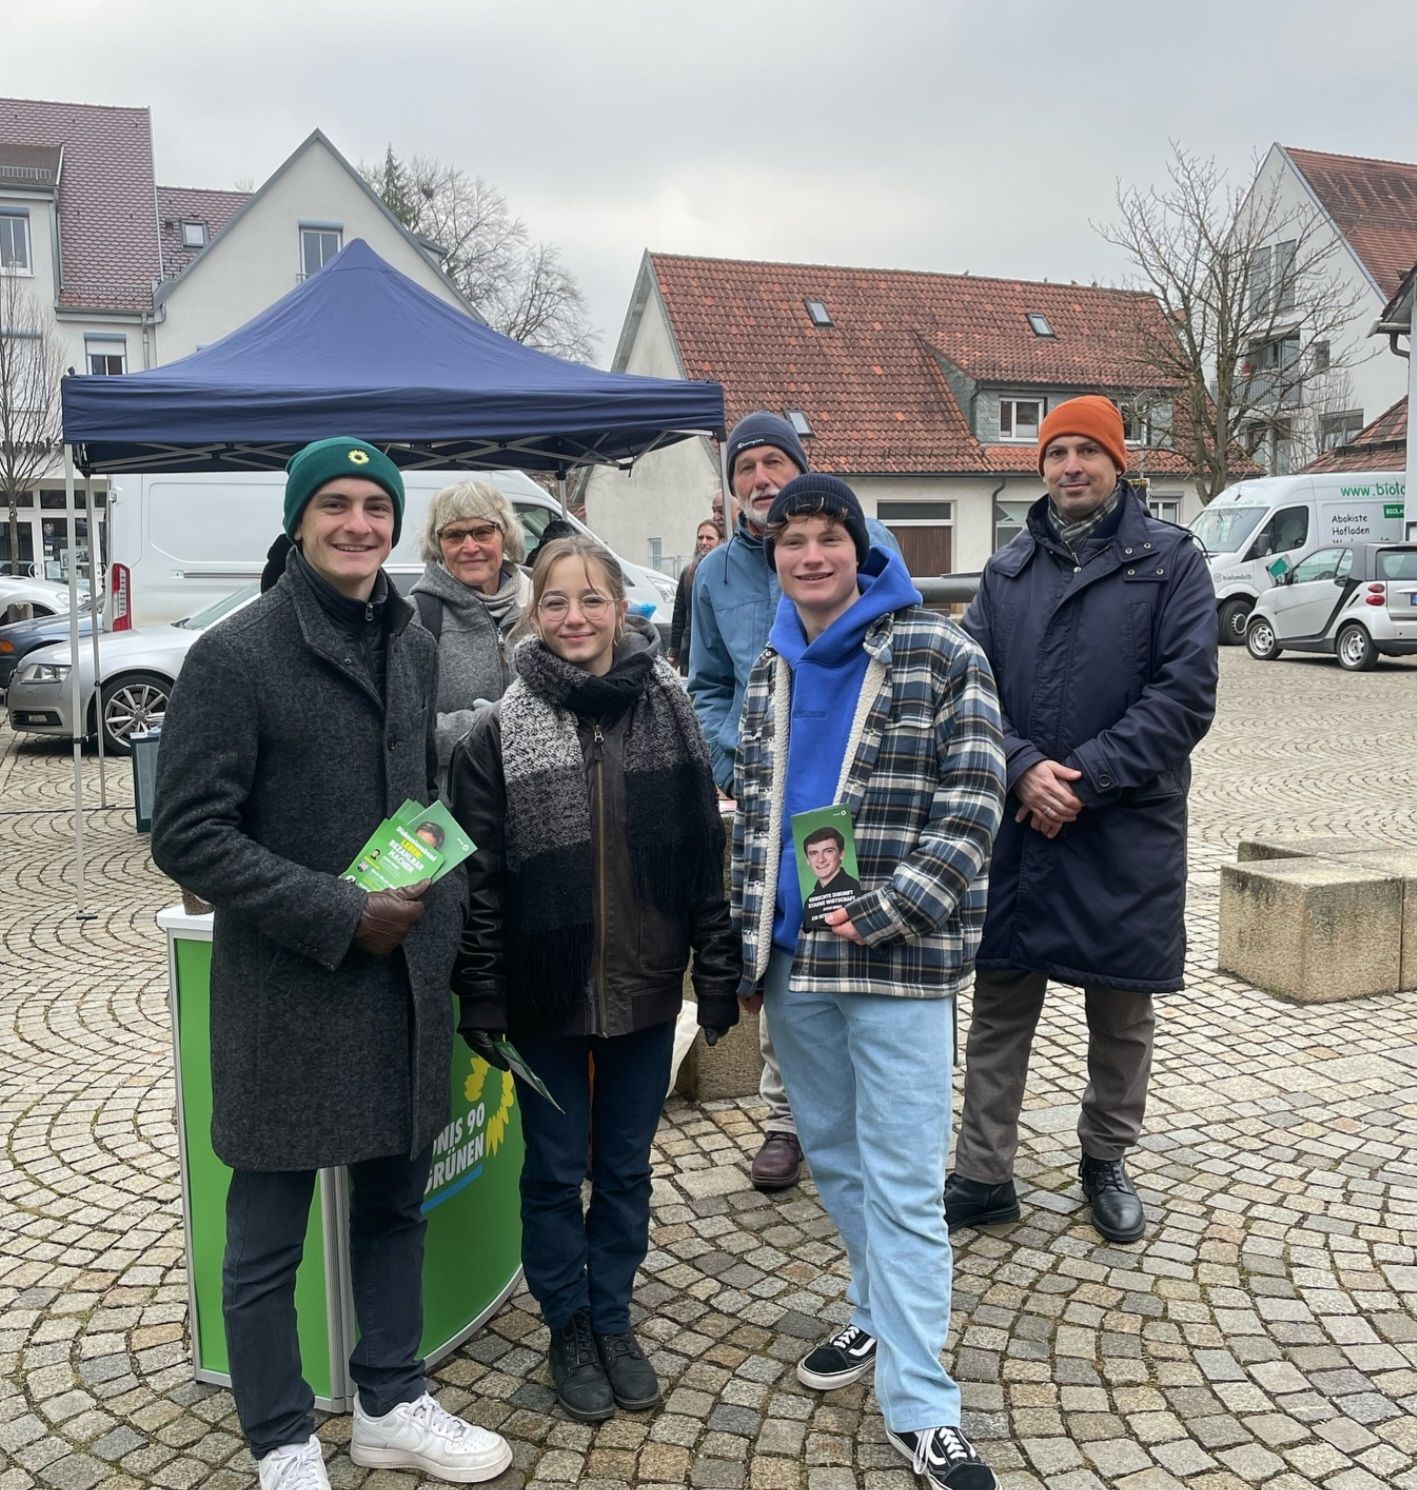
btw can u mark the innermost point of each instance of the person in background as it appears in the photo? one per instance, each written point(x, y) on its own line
point(735, 599)
point(863, 698)
point(470, 595)
point(706, 538)
point(598, 871)
point(296, 727)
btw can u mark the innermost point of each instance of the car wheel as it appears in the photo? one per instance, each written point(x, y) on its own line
point(1260, 639)
point(1233, 615)
point(130, 705)
point(1354, 649)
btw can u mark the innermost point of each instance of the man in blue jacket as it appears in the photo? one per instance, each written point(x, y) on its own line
point(735, 599)
point(1099, 622)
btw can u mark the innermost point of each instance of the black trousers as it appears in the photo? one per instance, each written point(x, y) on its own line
point(266, 1217)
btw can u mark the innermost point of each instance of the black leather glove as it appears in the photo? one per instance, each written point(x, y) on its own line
point(717, 1015)
point(389, 916)
point(481, 1044)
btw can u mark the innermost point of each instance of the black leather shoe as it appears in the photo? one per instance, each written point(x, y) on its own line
point(582, 1387)
point(632, 1378)
point(1117, 1213)
point(973, 1203)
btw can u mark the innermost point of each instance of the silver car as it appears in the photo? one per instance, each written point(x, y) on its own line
point(1357, 602)
point(42, 597)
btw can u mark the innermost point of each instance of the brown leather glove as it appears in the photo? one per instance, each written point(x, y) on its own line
point(389, 916)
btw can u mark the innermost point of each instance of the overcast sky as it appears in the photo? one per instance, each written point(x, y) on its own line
point(924, 134)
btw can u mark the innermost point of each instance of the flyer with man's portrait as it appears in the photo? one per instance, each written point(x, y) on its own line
point(826, 862)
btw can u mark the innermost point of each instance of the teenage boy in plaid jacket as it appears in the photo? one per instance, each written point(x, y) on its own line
point(864, 698)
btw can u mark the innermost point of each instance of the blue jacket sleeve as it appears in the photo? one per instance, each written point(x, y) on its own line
point(711, 678)
point(1019, 754)
point(1176, 707)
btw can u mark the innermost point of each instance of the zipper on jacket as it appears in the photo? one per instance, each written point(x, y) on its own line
point(600, 1005)
point(369, 610)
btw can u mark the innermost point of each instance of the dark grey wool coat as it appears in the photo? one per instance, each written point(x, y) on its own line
point(278, 760)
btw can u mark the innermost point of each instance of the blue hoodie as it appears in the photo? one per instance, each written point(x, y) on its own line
point(826, 683)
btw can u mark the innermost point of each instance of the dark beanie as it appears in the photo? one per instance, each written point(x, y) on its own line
point(309, 469)
point(763, 428)
point(817, 495)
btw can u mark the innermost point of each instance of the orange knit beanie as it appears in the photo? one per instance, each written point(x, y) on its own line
point(1093, 418)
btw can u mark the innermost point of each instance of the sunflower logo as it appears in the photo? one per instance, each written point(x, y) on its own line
point(359, 457)
point(478, 1072)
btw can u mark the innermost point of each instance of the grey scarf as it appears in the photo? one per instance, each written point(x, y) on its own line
point(1074, 535)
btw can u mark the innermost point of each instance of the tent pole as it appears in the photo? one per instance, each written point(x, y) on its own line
point(561, 490)
point(77, 721)
point(93, 630)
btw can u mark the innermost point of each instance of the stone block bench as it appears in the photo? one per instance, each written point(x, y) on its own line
point(1320, 919)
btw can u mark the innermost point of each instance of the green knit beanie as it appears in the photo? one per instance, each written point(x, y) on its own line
point(309, 469)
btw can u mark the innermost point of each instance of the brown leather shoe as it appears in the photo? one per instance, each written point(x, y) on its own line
point(779, 1162)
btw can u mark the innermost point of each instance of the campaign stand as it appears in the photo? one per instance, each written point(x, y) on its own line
point(472, 1257)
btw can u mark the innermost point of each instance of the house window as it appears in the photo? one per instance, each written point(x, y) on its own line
point(1166, 506)
point(1039, 323)
point(318, 245)
point(1321, 357)
point(817, 310)
point(925, 532)
point(106, 354)
point(194, 235)
point(799, 422)
point(1339, 429)
point(1020, 418)
point(1010, 519)
point(1136, 426)
point(15, 243)
point(1283, 270)
point(27, 388)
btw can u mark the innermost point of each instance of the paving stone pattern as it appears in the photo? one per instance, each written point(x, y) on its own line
point(1262, 1335)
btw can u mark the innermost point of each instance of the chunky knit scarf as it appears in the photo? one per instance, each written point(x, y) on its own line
point(673, 835)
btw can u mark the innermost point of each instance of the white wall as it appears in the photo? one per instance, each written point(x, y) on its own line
point(256, 260)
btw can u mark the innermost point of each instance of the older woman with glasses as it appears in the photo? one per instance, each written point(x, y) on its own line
point(470, 595)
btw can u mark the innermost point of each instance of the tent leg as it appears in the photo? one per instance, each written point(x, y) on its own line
point(93, 616)
point(78, 719)
point(561, 490)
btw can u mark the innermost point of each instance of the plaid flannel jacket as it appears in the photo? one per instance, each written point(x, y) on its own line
point(923, 776)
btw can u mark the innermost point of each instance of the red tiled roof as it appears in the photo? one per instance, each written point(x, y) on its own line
point(872, 384)
point(179, 204)
point(1373, 203)
point(107, 203)
point(1379, 446)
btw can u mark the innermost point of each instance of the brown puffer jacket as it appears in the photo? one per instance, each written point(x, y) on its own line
point(641, 953)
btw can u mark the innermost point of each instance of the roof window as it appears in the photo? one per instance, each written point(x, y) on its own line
point(799, 422)
point(817, 310)
point(194, 235)
point(1039, 322)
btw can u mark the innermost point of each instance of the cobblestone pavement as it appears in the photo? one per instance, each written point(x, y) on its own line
point(1262, 1335)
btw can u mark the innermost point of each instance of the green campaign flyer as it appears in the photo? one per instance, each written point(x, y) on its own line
point(826, 862)
point(417, 843)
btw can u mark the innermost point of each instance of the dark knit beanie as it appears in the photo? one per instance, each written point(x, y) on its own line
point(309, 469)
point(817, 495)
point(763, 428)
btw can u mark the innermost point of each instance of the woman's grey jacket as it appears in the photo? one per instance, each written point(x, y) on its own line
point(278, 759)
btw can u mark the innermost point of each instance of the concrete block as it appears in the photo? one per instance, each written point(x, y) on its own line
point(1401, 863)
point(1296, 846)
point(732, 1068)
point(1312, 930)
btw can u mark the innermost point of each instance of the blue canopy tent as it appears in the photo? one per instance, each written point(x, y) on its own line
point(360, 349)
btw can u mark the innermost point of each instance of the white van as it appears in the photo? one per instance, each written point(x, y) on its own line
point(1250, 525)
point(178, 544)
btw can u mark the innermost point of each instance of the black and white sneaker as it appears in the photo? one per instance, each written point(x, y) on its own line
point(845, 1358)
point(945, 1458)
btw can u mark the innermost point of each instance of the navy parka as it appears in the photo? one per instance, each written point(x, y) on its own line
point(1108, 665)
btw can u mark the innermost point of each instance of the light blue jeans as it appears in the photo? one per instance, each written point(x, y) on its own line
point(869, 1082)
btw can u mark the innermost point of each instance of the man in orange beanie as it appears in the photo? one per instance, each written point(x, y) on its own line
point(1099, 622)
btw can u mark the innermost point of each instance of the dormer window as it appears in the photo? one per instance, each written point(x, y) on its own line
point(194, 235)
point(1039, 323)
point(817, 310)
point(799, 422)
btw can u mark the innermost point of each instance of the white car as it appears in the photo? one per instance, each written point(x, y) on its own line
point(1356, 601)
point(43, 596)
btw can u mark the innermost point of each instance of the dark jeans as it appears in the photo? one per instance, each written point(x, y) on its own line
point(266, 1217)
point(576, 1258)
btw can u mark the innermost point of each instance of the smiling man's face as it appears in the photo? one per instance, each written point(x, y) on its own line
point(1079, 475)
point(346, 532)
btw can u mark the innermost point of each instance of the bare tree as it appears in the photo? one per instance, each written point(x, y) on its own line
point(1255, 317)
point(1328, 418)
point(520, 287)
point(31, 427)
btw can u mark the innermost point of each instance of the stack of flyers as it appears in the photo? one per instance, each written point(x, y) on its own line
point(826, 862)
point(416, 843)
point(518, 1067)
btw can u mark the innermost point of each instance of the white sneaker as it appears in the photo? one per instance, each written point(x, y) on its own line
point(296, 1466)
point(421, 1435)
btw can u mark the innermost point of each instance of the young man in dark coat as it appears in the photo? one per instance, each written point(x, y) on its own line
point(1099, 621)
point(294, 729)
